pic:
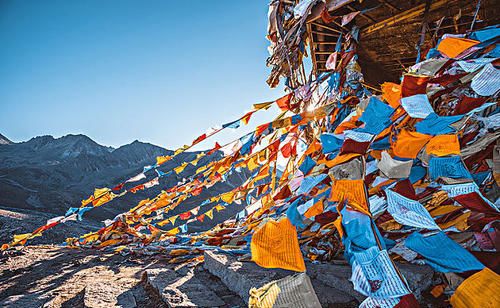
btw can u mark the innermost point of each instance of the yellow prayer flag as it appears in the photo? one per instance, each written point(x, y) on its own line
point(87, 201)
point(210, 214)
point(163, 222)
point(264, 106)
point(173, 219)
point(102, 200)
point(172, 232)
point(100, 192)
point(21, 237)
point(253, 163)
point(201, 169)
point(228, 197)
point(263, 173)
point(162, 159)
point(181, 168)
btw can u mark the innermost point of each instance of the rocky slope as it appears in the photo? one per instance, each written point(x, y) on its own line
point(4, 140)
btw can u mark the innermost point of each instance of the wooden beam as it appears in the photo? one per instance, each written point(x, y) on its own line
point(325, 43)
point(325, 34)
point(326, 27)
point(408, 14)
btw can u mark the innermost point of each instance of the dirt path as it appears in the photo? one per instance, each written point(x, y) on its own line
point(48, 276)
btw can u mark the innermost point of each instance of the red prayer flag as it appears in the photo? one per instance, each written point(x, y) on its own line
point(284, 102)
point(118, 187)
point(199, 139)
point(201, 217)
point(185, 215)
point(216, 147)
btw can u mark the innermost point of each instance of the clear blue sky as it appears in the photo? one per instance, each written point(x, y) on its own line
point(158, 71)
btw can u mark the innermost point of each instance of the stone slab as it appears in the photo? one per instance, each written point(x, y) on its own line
point(330, 281)
point(182, 290)
point(240, 277)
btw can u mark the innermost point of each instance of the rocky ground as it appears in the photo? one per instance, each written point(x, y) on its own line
point(51, 276)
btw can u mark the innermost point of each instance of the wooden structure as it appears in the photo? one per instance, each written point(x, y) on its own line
point(390, 31)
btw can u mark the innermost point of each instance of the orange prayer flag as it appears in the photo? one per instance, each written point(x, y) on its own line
point(354, 192)
point(260, 129)
point(340, 159)
point(408, 144)
point(215, 148)
point(313, 147)
point(246, 117)
point(314, 210)
point(443, 145)
point(163, 222)
point(284, 102)
point(391, 93)
point(338, 224)
point(102, 200)
point(479, 290)
point(438, 290)
point(275, 245)
point(452, 47)
point(347, 125)
point(377, 154)
point(442, 210)
point(459, 222)
point(109, 243)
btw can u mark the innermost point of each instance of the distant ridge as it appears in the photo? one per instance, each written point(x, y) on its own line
point(4, 140)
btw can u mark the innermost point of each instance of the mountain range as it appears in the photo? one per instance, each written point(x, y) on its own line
point(44, 176)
